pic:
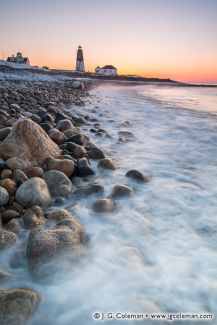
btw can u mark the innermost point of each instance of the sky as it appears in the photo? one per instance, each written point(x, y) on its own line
point(174, 39)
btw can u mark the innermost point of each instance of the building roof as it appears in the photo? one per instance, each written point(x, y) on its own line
point(108, 67)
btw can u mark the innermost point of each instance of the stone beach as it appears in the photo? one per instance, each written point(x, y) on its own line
point(43, 154)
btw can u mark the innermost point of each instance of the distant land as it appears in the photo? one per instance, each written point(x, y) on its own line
point(6, 67)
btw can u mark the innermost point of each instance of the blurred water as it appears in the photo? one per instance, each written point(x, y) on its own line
point(158, 252)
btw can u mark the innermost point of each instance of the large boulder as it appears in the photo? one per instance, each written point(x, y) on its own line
point(17, 305)
point(28, 142)
point(33, 192)
point(58, 183)
point(46, 246)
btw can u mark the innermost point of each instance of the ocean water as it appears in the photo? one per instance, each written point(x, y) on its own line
point(158, 252)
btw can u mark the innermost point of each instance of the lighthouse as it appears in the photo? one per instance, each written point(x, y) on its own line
point(80, 60)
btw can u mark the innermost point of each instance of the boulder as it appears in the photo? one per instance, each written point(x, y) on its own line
point(107, 163)
point(7, 239)
point(95, 153)
point(65, 166)
point(137, 176)
point(4, 196)
point(16, 163)
point(8, 215)
point(35, 118)
point(70, 132)
point(64, 125)
point(58, 183)
point(92, 188)
point(13, 225)
point(19, 176)
point(17, 305)
point(121, 191)
point(81, 138)
point(104, 205)
point(9, 185)
point(59, 215)
point(57, 136)
point(6, 173)
point(34, 172)
point(33, 217)
point(46, 246)
point(29, 143)
point(33, 192)
point(76, 150)
point(83, 168)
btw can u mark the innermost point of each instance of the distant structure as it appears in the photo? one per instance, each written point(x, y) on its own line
point(80, 60)
point(18, 59)
point(107, 70)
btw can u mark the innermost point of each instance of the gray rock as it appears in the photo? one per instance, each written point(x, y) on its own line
point(58, 183)
point(83, 168)
point(81, 138)
point(121, 191)
point(46, 246)
point(64, 125)
point(104, 205)
point(17, 305)
point(137, 176)
point(4, 196)
point(4, 133)
point(95, 153)
point(92, 188)
point(33, 192)
point(59, 215)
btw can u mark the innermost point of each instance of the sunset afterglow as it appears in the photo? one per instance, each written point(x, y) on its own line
point(153, 38)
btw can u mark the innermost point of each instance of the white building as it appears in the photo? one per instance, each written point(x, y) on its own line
point(18, 59)
point(107, 70)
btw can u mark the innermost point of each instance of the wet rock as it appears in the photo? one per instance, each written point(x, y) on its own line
point(126, 135)
point(7, 239)
point(121, 191)
point(8, 215)
point(4, 196)
point(57, 136)
point(19, 176)
point(58, 183)
point(65, 166)
point(104, 205)
point(14, 226)
point(76, 150)
point(33, 217)
point(92, 188)
point(9, 185)
point(17, 305)
point(6, 173)
point(4, 133)
point(46, 246)
point(34, 172)
point(95, 153)
point(47, 118)
point(83, 168)
point(59, 215)
point(28, 142)
point(81, 138)
point(33, 192)
point(107, 163)
point(137, 176)
point(70, 132)
point(16, 163)
point(46, 127)
point(64, 125)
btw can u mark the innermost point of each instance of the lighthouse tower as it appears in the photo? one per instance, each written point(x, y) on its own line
point(80, 60)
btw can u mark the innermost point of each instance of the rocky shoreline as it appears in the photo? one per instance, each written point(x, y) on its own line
point(42, 154)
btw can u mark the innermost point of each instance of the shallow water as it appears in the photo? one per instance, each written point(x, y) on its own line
point(158, 252)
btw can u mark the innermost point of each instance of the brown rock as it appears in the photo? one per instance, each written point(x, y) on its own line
point(33, 217)
point(104, 205)
point(14, 226)
point(19, 176)
point(7, 239)
point(107, 163)
point(9, 185)
point(8, 215)
point(121, 191)
point(16, 163)
point(34, 172)
point(6, 173)
point(28, 142)
point(58, 137)
point(70, 132)
point(59, 215)
point(17, 207)
point(65, 166)
point(65, 124)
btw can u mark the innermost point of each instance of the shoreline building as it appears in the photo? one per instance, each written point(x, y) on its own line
point(80, 60)
point(18, 59)
point(107, 70)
